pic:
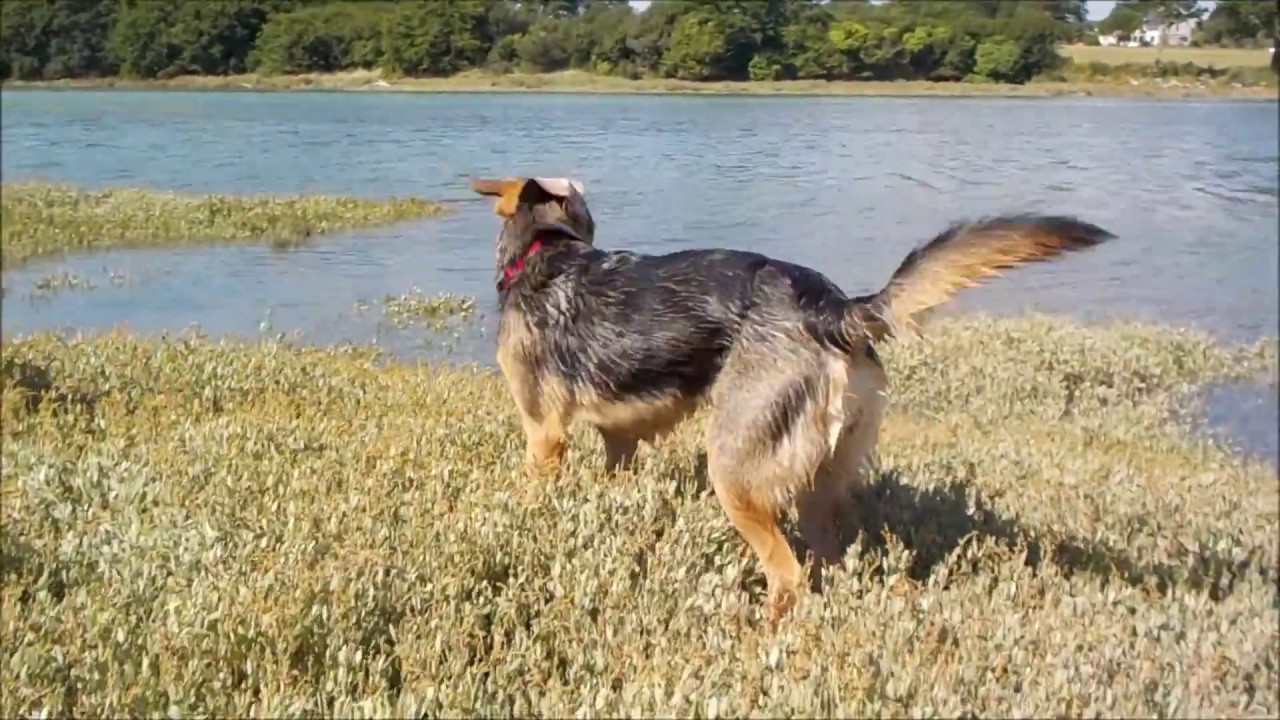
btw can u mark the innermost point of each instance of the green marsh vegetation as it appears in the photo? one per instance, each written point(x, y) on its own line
point(205, 526)
point(39, 219)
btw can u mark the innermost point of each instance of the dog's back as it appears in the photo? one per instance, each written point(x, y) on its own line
point(632, 325)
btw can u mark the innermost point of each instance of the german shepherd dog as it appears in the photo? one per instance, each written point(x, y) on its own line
point(633, 344)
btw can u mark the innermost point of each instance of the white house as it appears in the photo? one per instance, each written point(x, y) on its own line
point(1166, 34)
point(1151, 33)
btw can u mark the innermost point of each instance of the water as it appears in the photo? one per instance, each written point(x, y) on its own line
point(847, 185)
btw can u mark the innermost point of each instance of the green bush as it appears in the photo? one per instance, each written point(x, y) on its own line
point(958, 61)
point(504, 54)
point(768, 66)
point(708, 46)
point(545, 47)
point(998, 59)
point(1252, 76)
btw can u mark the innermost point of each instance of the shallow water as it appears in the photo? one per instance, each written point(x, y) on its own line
point(847, 185)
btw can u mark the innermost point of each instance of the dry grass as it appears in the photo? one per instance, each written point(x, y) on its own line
point(1217, 57)
point(582, 82)
point(196, 527)
point(39, 219)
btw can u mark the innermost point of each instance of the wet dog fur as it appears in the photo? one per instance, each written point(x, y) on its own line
point(633, 344)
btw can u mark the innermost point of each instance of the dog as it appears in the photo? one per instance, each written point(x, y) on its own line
point(633, 344)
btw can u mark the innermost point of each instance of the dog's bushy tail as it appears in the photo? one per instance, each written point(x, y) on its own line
point(962, 256)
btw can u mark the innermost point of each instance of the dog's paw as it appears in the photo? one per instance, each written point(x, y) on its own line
point(541, 468)
point(781, 602)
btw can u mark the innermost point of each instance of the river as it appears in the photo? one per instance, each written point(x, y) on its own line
point(847, 185)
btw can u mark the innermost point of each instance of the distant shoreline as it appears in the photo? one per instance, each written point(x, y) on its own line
point(585, 83)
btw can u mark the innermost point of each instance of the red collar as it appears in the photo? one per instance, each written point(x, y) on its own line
point(509, 272)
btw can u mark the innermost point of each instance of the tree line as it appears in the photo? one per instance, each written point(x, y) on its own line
point(945, 40)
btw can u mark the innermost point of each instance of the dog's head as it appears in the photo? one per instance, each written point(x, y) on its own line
point(529, 204)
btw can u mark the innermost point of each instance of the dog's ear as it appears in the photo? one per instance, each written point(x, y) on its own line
point(507, 190)
point(493, 186)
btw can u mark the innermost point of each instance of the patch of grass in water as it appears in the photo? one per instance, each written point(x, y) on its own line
point(65, 280)
point(254, 528)
point(416, 308)
point(52, 284)
point(40, 219)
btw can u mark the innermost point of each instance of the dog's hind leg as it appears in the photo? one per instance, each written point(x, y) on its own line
point(818, 510)
point(764, 442)
point(825, 506)
point(756, 522)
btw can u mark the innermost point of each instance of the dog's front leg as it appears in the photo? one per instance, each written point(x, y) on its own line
point(541, 417)
point(544, 443)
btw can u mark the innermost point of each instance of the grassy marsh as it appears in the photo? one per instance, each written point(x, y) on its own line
point(40, 219)
point(1203, 56)
point(583, 82)
point(202, 526)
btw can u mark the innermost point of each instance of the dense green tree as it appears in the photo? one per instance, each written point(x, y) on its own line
point(555, 8)
point(1125, 18)
point(601, 45)
point(1073, 12)
point(998, 59)
point(1176, 11)
point(546, 47)
point(959, 61)
point(55, 39)
point(709, 45)
point(322, 38)
point(694, 40)
point(651, 32)
point(1241, 22)
point(164, 38)
point(78, 32)
point(436, 38)
point(1037, 36)
point(810, 54)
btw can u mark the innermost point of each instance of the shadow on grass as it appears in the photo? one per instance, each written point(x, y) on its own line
point(932, 523)
point(36, 386)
